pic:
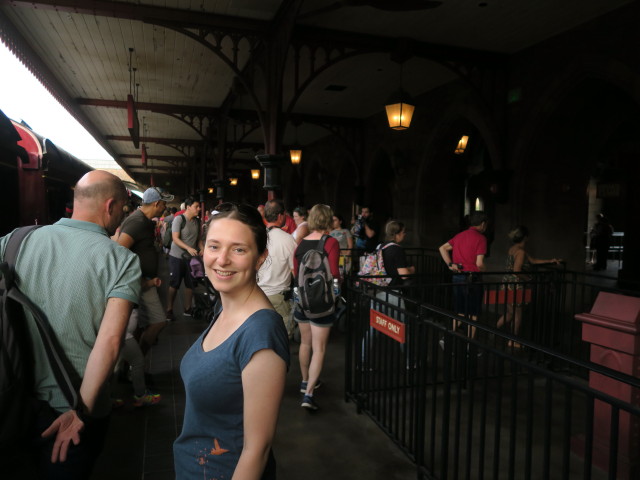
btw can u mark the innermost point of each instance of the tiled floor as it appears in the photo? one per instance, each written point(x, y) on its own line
point(334, 442)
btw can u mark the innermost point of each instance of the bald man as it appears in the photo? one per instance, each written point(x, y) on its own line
point(86, 284)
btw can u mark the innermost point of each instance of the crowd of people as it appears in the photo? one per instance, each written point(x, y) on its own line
point(263, 263)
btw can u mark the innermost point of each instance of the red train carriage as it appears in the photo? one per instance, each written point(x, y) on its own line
point(36, 177)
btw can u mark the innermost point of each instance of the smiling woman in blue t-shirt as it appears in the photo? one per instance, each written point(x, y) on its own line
point(234, 374)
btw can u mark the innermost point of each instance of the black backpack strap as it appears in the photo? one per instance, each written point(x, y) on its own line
point(56, 358)
point(14, 243)
point(321, 242)
point(54, 352)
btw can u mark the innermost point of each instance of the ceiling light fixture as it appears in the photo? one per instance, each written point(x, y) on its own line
point(296, 156)
point(233, 181)
point(400, 107)
point(133, 125)
point(255, 174)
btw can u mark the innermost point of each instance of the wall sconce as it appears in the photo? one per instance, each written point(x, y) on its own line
point(210, 190)
point(233, 181)
point(400, 107)
point(255, 174)
point(296, 156)
point(462, 145)
point(295, 153)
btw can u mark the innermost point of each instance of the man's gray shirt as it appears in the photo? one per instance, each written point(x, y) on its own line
point(189, 234)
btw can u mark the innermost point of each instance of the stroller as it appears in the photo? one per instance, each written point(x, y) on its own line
point(205, 297)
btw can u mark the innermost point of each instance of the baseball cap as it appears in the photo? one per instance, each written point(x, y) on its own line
point(152, 195)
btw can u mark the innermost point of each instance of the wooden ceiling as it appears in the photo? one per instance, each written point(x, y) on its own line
point(207, 71)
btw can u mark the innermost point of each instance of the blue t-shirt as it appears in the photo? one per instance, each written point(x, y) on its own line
point(212, 434)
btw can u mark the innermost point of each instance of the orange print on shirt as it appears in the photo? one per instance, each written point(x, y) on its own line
point(216, 450)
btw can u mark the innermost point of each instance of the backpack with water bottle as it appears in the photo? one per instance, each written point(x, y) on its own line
point(317, 297)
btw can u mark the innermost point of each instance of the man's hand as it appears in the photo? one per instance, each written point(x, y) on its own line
point(67, 428)
point(148, 283)
point(192, 251)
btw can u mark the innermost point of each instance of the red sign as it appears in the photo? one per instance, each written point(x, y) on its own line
point(387, 325)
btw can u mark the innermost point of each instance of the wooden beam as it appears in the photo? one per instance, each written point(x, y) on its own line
point(150, 14)
point(176, 141)
point(152, 107)
point(396, 46)
point(193, 110)
point(159, 140)
point(162, 158)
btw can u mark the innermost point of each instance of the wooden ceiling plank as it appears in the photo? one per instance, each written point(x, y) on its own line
point(88, 45)
point(169, 82)
point(117, 60)
point(142, 61)
point(63, 60)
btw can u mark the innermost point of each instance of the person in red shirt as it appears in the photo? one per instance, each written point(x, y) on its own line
point(289, 224)
point(464, 255)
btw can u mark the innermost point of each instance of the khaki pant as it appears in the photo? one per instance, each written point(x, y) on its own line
point(283, 307)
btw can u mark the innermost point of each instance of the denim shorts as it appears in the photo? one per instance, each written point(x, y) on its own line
point(300, 317)
point(467, 294)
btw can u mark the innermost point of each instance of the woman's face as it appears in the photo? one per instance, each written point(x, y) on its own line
point(400, 236)
point(336, 223)
point(297, 218)
point(231, 257)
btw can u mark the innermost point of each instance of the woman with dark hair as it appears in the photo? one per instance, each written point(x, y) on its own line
point(344, 239)
point(518, 261)
point(234, 373)
point(314, 333)
point(302, 227)
point(393, 257)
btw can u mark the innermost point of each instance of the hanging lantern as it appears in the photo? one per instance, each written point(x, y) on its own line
point(296, 156)
point(462, 145)
point(255, 174)
point(399, 111)
point(210, 190)
point(233, 181)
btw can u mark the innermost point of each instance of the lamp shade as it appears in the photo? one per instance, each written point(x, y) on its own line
point(400, 111)
point(296, 156)
point(255, 174)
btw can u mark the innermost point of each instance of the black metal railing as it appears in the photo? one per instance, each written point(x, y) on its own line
point(541, 307)
point(466, 408)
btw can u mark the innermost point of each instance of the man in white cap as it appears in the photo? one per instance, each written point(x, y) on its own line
point(138, 234)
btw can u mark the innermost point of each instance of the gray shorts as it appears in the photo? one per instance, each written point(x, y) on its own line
point(150, 310)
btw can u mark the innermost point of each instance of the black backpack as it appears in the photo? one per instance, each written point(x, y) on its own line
point(167, 238)
point(17, 396)
point(315, 283)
